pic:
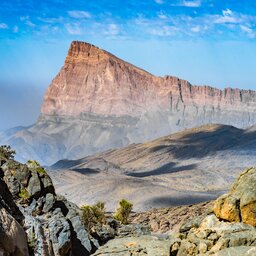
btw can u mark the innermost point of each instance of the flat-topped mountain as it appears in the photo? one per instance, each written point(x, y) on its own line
point(93, 80)
point(98, 101)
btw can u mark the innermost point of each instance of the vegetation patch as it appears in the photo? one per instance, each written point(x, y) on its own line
point(93, 215)
point(123, 211)
point(24, 194)
point(35, 166)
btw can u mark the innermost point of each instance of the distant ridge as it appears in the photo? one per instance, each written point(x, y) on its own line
point(98, 101)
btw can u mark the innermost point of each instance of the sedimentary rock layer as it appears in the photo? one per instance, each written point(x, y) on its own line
point(98, 101)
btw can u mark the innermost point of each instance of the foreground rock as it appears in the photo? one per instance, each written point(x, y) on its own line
point(240, 203)
point(170, 219)
point(13, 240)
point(52, 224)
point(135, 246)
point(214, 236)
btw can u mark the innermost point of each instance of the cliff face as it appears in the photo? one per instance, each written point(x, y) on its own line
point(98, 101)
point(93, 80)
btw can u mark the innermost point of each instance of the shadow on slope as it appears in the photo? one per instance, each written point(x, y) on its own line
point(166, 168)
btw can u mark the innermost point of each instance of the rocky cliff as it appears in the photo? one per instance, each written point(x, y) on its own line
point(33, 219)
point(98, 101)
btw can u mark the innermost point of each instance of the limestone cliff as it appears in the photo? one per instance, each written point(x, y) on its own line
point(98, 101)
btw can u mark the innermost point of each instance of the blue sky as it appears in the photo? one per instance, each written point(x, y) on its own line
point(209, 42)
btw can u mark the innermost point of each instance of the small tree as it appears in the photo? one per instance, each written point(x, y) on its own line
point(93, 215)
point(6, 152)
point(123, 211)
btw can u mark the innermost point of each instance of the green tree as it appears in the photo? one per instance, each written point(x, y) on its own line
point(123, 211)
point(6, 152)
point(93, 215)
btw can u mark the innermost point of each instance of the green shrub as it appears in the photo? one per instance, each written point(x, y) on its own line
point(6, 152)
point(24, 194)
point(93, 215)
point(123, 211)
point(35, 166)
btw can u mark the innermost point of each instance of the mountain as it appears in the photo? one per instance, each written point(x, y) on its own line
point(187, 167)
point(98, 101)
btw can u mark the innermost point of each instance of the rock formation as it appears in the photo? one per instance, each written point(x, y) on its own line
point(33, 219)
point(98, 101)
point(240, 203)
point(214, 236)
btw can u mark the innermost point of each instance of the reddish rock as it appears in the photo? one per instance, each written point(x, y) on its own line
point(95, 81)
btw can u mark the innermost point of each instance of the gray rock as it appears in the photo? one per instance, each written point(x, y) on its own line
point(34, 185)
point(136, 246)
point(238, 251)
point(49, 202)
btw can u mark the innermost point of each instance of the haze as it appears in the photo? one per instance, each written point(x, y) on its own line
point(204, 42)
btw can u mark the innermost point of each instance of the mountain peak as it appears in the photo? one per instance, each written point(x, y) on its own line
point(83, 52)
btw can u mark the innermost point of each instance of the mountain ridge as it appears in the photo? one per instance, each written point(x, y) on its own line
point(190, 166)
point(98, 102)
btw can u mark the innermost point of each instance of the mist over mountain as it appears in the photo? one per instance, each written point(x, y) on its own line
point(98, 101)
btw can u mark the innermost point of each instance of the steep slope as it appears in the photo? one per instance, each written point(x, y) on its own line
point(98, 101)
point(186, 167)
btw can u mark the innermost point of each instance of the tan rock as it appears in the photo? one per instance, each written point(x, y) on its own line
point(240, 201)
point(13, 239)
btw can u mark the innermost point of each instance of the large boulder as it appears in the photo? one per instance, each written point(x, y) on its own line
point(240, 203)
point(213, 236)
point(13, 240)
point(229, 230)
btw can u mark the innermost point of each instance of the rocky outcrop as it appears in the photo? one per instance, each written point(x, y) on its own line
point(214, 236)
point(240, 203)
point(135, 246)
point(13, 240)
point(98, 101)
point(93, 80)
point(166, 220)
point(52, 224)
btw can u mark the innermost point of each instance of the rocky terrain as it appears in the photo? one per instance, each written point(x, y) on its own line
point(98, 101)
point(183, 168)
point(227, 229)
point(33, 219)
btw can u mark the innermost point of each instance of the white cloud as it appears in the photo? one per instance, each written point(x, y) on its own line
point(250, 32)
point(112, 30)
point(159, 1)
point(227, 17)
point(51, 20)
point(22, 18)
point(73, 29)
point(227, 12)
point(79, 14)
point(29, 23)
point(162, 16)
point(163, 31)
point(3, 26)
point(195, 3)
point(15, 29)
point(196, 29)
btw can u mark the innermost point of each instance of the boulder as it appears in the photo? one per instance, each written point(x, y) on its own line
point(136, 246)
point(13, 239)
point(240, 203)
